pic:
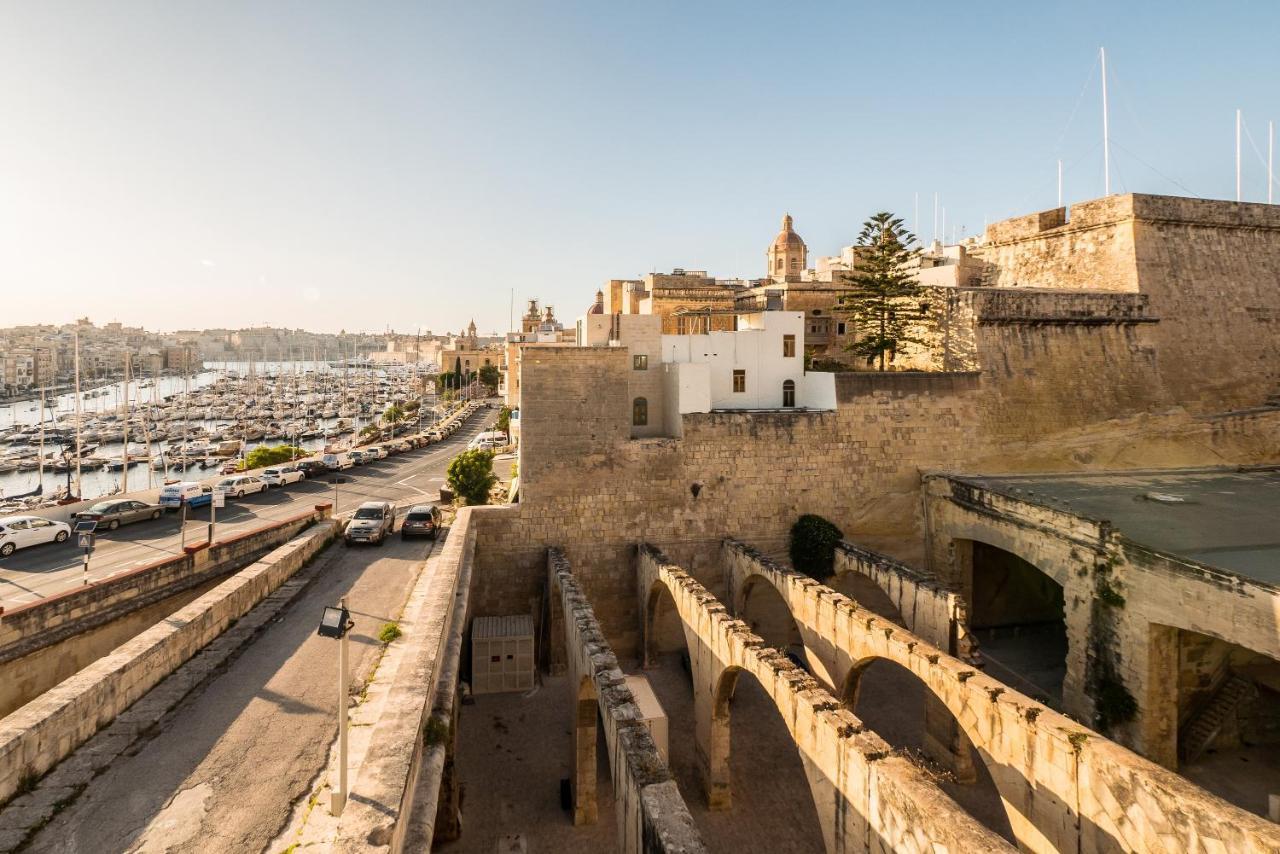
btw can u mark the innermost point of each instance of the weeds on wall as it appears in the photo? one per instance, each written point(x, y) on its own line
point(1113, 705)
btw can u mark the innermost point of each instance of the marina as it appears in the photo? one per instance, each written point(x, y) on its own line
point(140, 433)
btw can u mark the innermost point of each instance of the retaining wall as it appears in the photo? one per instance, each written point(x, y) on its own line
point(46, 730)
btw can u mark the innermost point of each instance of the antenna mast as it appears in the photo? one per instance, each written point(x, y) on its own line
point(1106, 134)
point(1271, 146)
point(1238, 156)
point(1059, 182)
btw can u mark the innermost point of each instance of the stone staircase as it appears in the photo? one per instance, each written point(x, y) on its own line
point(1201, 730)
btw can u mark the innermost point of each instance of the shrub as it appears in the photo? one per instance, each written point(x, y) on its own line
point(390, 631)
point(813, 546)
point(471, 476)
point(264, 456)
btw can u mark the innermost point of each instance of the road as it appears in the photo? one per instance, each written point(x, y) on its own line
point(41, 571)
point(223, 770)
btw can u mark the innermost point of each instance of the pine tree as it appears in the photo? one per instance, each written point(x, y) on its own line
point(885, 300)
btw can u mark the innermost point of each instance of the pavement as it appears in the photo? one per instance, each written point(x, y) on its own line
point(35, 573)
point(227, 768)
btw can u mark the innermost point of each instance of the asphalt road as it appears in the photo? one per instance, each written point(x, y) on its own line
point(408, 478)
point(223, 770)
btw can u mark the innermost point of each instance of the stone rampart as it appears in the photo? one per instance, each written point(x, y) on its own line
point(43, 732)
point(867, 798)
point(651, 815)
point(379, 813)
point(1064, 786)
point(48, 621)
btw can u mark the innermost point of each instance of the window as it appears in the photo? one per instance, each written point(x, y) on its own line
point(788, 346)
point(789, 394)
point(778, 264)
point(640, 362)
point(739, 381)
point(840, 327)
point(640, 412)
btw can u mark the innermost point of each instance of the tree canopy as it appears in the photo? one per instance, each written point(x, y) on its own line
point(490, 375)
point(884, 303)
point(270, 456)
point(471, 476)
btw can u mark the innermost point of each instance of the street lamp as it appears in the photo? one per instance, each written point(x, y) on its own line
point(335, 623)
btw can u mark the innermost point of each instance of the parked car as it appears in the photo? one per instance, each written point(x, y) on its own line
point(374, 452)
point(372, 522)
point(404, 445)
point(422, 520)
point(18, 532)
point(119, 511)
point(358, 457)
point(239, 487)
point(282, 475)
point(337, 462)
point(313, 468)
point(188, 492)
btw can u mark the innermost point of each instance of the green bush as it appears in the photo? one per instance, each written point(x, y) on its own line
point(504, 420)
point(471, 476)
point(264, 456)
point(390, 631)
point(813, 546)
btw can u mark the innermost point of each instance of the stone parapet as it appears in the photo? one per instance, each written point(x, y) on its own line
point(40, 734)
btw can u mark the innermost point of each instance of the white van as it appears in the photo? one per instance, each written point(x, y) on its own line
point(337, 462)
point(188, 492)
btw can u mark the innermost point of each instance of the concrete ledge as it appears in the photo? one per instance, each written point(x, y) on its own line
point(40, 734)
point(379, 809)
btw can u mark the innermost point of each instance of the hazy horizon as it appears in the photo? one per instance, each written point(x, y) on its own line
point(324, 166)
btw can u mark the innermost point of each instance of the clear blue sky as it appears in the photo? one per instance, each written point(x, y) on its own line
point(353, 165)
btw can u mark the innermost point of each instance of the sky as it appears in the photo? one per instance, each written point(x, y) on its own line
point(366, 166)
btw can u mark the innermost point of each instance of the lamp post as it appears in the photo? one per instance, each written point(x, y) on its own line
point(335, 623)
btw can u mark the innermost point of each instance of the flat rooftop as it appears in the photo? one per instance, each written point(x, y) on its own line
point(1226, 518)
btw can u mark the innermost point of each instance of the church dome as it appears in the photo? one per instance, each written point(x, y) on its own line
point(787, 237)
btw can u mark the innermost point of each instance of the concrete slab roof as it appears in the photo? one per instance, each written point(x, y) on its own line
point(1226, 518)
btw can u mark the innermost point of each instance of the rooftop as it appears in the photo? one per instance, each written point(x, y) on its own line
point(1226, 518)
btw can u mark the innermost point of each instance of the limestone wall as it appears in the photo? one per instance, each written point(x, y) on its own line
point(39, 624)
point(1209, 269)
point(651, 815)
point(43, 732)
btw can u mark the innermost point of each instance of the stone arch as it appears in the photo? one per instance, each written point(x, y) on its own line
point(765, 610)
point(662, 629)
point(905, 712)
point(722, 751)
point(1017, 610)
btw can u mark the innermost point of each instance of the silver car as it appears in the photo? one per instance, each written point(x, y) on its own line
point(119, 511)
point(372, 522)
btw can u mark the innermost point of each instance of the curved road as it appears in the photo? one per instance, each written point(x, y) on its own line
point(408, 478)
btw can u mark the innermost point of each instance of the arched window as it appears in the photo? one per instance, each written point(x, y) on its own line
point(778, 264)
point(789, 394)
point(640, 412)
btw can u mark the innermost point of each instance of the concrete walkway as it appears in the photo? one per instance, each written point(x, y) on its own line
point(229, 763)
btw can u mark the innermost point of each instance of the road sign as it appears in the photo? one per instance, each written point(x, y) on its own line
point(86, 541)
point(219, 498)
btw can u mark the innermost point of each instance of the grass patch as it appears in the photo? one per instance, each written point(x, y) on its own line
point(390, 632)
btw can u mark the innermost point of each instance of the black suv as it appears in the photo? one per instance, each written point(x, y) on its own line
point(422, 520)
point(313, 468)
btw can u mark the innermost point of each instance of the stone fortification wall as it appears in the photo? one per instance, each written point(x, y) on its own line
point(589, 487)
point(43, 732)
point(36, 625)
point(1209, 269)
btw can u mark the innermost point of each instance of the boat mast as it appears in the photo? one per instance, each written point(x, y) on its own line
point(40, 463)
point(79, 486)
point(124, 475)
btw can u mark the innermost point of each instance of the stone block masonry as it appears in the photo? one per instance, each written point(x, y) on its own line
point(43, 732)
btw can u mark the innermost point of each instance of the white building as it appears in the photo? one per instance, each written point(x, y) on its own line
point(757, 366)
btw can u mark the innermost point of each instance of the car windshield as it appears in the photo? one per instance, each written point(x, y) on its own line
point(227, 482)
point(104, 507)
point(418, 517)
point(369, 513)
point(271, 471)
